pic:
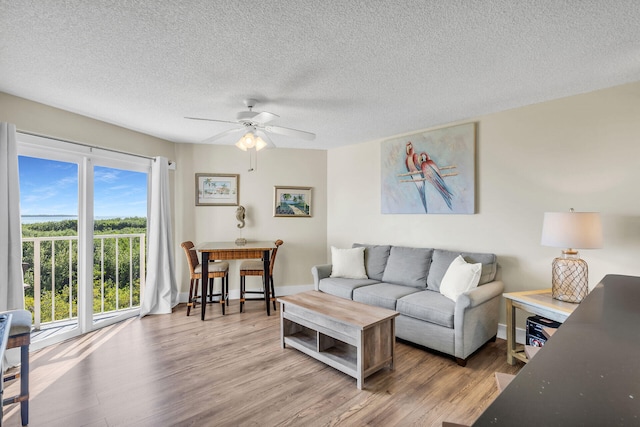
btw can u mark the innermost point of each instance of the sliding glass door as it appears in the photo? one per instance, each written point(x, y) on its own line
point(84, 214)
point(49, 215)
point(119, 239)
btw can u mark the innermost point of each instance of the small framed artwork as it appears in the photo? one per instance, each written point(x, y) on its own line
point(292, 201)
point(217, 189)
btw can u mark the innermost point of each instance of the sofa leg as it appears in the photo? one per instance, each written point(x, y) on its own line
point(494, 338)
point(461, 362)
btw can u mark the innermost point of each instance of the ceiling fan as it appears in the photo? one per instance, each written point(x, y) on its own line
point(253, 126)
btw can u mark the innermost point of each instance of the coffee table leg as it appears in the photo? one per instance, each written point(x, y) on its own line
point(359, 358)
point(392, 337)
point(282, 325)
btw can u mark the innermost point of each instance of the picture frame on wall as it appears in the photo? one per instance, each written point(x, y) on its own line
point(294, 202)
point(217, 189)
point(430, 172)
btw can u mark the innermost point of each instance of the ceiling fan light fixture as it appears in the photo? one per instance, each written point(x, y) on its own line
point(260, 144)
point(247, 141)
point(251, 140)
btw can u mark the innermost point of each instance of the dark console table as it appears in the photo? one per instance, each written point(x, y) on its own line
point(588, 374)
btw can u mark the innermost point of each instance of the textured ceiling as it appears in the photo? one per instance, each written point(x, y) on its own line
point(350, 71)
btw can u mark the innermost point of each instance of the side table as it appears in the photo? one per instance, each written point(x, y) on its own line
point(537, 302)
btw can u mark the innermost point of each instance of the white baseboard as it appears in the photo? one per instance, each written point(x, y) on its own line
point(291, 290)
point(280, 291)
point(520, 333)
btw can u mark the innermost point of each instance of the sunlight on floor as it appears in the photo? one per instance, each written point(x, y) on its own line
point(62, 362)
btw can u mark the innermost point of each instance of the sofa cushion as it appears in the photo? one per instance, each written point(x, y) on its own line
point(348, 263)
point(382, 295)
point(375, 259)
point(442, 260)
point(343, 287)
point(408, 266)
point(459, 278)
point(429, 306)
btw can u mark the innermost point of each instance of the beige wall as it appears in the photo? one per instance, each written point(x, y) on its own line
point(581, 152)
point(304, 238)
point(41, 119)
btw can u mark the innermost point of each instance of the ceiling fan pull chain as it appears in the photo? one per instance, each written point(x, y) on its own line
point(251, 168)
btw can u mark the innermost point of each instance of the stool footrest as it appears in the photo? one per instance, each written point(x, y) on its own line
point(15, 399)
point(11, 377)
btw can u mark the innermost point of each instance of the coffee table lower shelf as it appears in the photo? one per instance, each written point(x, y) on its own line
point(340, 356)
point(357, 345)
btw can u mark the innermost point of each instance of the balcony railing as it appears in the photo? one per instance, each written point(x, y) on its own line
point(52, 272)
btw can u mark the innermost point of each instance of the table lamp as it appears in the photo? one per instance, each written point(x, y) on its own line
point(571, 230)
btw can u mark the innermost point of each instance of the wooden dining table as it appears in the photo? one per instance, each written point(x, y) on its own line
point(223, 251)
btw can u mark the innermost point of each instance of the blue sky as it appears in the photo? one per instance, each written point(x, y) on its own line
point(49, 187)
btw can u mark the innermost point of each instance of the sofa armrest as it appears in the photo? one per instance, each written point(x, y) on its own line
point(320, 272)
point(479, 295)
point(476, 317)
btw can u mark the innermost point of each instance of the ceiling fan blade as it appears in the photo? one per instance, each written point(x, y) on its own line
point(291, 132)
point(264, 117)
point(210, 120)
point(222, 135)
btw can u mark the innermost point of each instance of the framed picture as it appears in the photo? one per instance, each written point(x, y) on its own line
point(217, 189)
point(430, 172)
point(292, 201)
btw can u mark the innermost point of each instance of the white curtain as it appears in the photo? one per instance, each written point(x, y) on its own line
point(11, 280)
point(161, 290)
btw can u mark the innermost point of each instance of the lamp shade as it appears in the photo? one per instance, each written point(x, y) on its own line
point(576, 230)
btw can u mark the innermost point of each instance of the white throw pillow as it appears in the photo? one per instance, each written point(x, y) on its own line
point(348, 263)
point(460, 278)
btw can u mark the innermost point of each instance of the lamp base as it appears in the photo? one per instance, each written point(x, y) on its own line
point(570, 279)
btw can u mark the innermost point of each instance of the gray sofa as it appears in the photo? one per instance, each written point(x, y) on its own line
point(407, 280)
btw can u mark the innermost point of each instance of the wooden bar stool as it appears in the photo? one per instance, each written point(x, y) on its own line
point(217, 269)
point(20, 336)
point(256, 268)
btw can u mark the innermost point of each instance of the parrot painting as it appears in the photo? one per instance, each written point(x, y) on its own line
point(431, 173)
point(414, 167)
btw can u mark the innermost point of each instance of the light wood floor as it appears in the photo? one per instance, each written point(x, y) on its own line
point(173, 370)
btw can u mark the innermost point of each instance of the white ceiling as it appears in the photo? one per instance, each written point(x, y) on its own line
point(349, 71)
